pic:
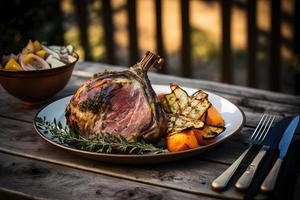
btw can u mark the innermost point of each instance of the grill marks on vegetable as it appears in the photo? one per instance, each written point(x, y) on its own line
point(184, 111)
point(192, 120)
point(123, 105)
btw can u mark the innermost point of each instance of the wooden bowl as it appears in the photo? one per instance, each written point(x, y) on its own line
point(36, 86)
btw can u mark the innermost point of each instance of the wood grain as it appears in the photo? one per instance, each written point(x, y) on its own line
point(252, 106)
point(32, 178)
point(204, 84)
point(192, 175)
point(13, 194)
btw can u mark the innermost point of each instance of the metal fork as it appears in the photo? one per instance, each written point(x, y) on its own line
point(256, 138)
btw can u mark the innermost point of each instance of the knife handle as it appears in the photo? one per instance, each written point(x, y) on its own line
point(269, 183)
point(245, 180)
point(222, 181)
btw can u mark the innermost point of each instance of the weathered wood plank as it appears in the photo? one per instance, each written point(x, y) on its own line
point(207, 85)
point(12, 108)
point(12, 194)
point(256, 106)
point(192, 175)
point(228, 89)
point(23, 133)
point(32, 178)
point(234, 146)
point(252, 107)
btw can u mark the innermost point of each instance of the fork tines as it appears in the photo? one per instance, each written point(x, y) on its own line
point(257, 137)
point(262, 128)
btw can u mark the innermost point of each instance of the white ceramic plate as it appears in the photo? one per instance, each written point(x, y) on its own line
point(234, 120)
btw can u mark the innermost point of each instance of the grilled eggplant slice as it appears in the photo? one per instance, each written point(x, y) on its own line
point(200, 94)
point(178, 123)
point(184, 111)
point(212, 132)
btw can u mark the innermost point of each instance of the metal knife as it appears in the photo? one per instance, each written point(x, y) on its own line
point(270, 142)
point(269, 183)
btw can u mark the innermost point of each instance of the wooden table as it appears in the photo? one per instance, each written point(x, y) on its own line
point(30, 168)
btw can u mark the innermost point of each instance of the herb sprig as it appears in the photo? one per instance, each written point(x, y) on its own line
point(104, 143)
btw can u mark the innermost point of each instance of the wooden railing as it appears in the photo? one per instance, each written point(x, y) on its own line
point(109, 32)
point(296, 45)
point(226, 61)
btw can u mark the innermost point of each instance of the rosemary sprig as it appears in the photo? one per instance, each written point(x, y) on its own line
point(104, 143)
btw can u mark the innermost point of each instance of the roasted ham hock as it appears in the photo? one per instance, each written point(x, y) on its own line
point(119, 103)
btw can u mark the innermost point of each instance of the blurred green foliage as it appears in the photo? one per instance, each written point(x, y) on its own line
point(203, 49)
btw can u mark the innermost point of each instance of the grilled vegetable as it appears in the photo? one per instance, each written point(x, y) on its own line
point(202, 140)
point(177, 123)
point(190, 115)
point(184, 111)
point(207, 133)
point(200, 94)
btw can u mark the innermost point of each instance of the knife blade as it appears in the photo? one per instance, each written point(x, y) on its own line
point(269, 182)
point(271, 142)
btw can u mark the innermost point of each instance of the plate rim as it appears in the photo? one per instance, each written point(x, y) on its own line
point(115, 155)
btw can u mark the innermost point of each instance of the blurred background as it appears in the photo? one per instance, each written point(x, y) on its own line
point(253, 43)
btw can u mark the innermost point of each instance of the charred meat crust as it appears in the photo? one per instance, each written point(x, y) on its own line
point(85, 111)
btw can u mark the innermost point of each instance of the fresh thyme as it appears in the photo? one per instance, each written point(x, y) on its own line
point(105, 72)
point(104, 143)
point(100, 99)
point(93, 104)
